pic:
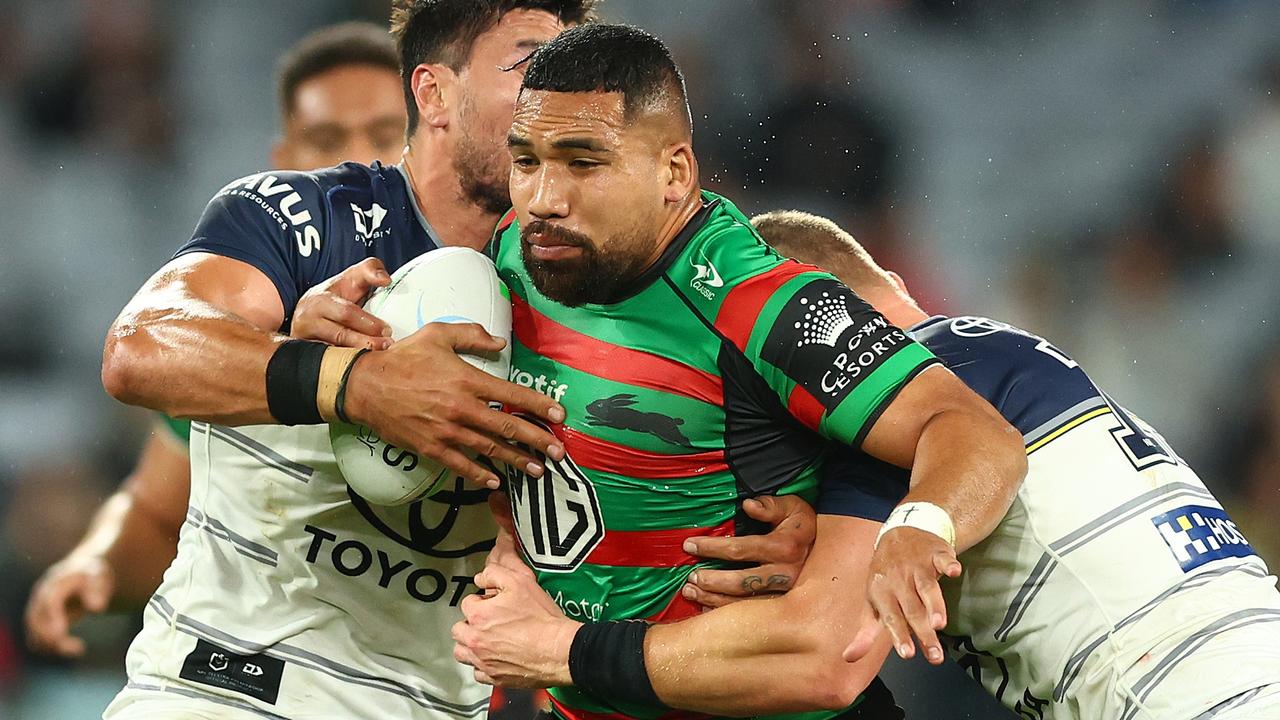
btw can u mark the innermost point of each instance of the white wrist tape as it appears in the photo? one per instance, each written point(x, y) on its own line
point(921, 516)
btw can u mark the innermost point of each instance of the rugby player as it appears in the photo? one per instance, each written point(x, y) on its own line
point(290, 597)
point(699, 368)
point(340, 99)
point(1116, 586)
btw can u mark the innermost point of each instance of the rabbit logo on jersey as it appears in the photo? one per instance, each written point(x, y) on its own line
point(1198, 534)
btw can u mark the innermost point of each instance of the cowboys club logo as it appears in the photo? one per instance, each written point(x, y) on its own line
point(425, 525)
point(825, 320)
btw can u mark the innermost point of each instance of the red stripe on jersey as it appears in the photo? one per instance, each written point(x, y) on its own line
point(652, 548)
point(506, 221)
point(742, 306)
point(577, 714)
point(610, 362)
point(805, 407)
point(604, 456)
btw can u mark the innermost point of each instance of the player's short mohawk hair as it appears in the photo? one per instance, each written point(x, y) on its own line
point(610, 58)
point(445, 31)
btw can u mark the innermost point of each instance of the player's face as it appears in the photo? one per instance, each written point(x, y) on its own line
point(587, 191)
point(351, 112)
point(489, 88)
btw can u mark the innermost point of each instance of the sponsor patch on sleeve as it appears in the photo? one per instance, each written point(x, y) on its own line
point(257, 676)
point(829, 340)
point(1198, 534)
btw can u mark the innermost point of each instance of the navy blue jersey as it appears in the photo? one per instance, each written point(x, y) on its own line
point(1034, 385)
point(300, 228)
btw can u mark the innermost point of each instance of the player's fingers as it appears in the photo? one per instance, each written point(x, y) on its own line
point(773, 509)
point(744, 583)
point(934, 605)
point(505, 426)
point(862, 643)
point(920, 620)
point(355, 319)
point(465, 467)
point(329, 331)
point(465, 337)
point(483, 678)
point(497, 449)
point(743, 548)
point(706, 599)
point(895, 622)
point(494, 577)
point(945, 563)
point(357, 281)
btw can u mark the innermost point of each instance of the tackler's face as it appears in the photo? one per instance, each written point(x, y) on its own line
point(490, 83)
point(587, 192)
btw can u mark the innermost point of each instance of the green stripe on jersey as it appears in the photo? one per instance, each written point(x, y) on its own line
point(628, 504)
point(847, 423)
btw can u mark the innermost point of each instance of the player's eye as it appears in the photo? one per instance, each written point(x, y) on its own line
point(583, 163)
point(524, 162)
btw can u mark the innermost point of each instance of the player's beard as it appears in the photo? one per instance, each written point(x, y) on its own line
point(484, 168)
point(595, 276)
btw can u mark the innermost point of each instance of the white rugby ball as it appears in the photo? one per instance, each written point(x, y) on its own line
point(452, 285)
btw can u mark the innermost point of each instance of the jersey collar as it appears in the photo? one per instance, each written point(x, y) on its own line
point(669, 255)
point(417, 211)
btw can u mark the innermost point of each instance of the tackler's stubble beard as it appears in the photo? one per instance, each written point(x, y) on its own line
point(483, 167)
point(595, 276)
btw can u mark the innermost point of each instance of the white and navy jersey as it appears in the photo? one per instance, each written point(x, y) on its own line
point(290, 596)
point(1116, 586)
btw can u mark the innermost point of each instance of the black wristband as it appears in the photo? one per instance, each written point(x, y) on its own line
point(606, 659)
point(293, 375)
point(340, 404)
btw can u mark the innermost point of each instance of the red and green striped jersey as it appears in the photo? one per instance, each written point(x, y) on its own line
point(724, 372)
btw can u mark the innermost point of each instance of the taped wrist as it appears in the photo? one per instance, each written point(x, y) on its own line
point(606, 659)
point(293, 375)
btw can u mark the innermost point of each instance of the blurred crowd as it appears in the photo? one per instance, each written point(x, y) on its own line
point(1105, 174)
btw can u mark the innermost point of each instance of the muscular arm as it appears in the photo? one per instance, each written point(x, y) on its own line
point(780, 654)
point(964, 457)
point(195, 340)
point(777, 654)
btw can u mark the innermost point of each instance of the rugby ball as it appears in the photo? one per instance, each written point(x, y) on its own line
point(452, 285)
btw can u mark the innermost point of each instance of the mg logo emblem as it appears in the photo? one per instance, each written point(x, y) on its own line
point(557, 515)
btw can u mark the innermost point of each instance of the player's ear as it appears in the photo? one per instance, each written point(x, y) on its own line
point(433, 88)
point(680, 173)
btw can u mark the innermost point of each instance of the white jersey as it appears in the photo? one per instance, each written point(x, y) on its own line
point(1116, 587)
point(292, 598)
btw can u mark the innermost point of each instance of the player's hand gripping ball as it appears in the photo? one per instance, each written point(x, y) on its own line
point(450, 285)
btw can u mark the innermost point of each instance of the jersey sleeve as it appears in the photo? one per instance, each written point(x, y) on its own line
point(272, 221)
point(833, 361)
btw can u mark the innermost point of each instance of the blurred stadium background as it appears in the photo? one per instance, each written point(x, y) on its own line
point(1105, 173)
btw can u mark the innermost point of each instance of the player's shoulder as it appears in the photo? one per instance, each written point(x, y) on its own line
point(727, 273)
point(299, 197)
point(1027, 378)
